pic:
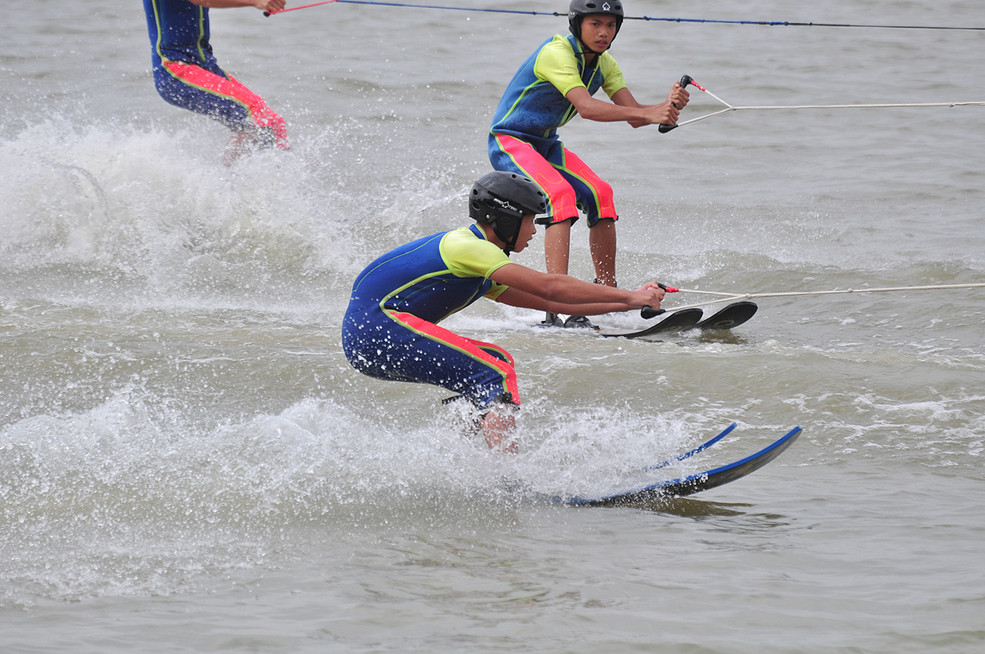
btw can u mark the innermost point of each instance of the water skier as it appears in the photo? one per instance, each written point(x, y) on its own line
point(555, 83)
point(390, 329)
point(187, 75)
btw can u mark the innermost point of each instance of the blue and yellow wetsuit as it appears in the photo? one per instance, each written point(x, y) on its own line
point(390, 329)
point(524, 140)
point(187, 75)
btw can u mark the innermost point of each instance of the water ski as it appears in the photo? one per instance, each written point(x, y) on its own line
point(691, 484)
point(728, 317)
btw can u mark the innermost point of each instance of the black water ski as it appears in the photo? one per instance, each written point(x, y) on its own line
point(691, 484)
point(730, 316)
point(675, 322)
point(701, 448)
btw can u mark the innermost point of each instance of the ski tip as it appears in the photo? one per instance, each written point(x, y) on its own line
point(787, 438)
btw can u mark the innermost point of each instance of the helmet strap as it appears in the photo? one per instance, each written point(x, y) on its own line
point(584, 46)
point(509, 239)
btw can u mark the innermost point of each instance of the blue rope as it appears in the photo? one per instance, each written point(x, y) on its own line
point(665, 20)
point(786, 23)
point(416, 6)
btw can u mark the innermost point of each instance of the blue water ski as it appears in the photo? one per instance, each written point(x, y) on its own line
point(704, 446)
point(691, 484)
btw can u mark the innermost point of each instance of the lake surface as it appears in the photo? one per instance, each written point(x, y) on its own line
point(188, 463)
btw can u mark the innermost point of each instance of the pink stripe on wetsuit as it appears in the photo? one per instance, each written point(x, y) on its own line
point(229, 90)
point(559, 172)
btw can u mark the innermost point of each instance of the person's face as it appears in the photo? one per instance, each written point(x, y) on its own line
point(527, 230)
point(597, 31)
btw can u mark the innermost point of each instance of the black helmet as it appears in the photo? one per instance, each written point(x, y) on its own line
point(502, 199)
point(581, 8)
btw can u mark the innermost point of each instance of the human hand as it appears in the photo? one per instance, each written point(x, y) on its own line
point(652, 293)
point(664, 113)
point(677, 99)
point(270, 6)
point(678, 96)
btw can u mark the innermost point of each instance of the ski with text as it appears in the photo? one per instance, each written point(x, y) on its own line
point(728, 317)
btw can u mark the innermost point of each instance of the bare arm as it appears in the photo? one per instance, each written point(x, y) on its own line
point(624, 107)
point(265, 5)
point(531, 289)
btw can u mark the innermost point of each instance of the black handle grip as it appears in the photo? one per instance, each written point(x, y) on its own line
point(663, 129)
point(650, 312)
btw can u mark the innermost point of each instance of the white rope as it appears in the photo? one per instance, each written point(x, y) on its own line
point(895, 105)
point(730, 297)
point(864, 106)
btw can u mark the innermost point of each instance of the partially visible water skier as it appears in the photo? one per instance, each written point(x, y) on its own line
point(187, 75)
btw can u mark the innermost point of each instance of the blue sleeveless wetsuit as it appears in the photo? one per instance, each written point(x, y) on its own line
point(523, 138)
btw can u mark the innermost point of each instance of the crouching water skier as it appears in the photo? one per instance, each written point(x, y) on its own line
point(390, 330)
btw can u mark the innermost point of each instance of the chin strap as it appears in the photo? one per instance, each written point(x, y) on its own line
point(585, 48)
point(511, 241)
